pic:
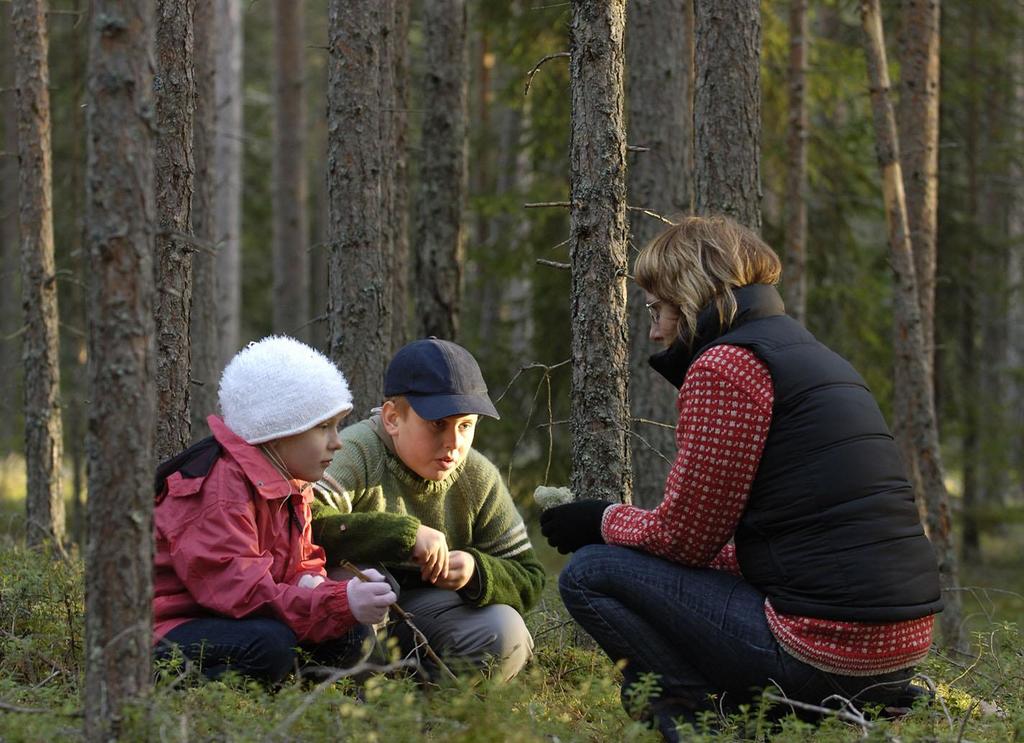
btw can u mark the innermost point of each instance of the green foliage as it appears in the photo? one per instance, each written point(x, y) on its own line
point(569, 692)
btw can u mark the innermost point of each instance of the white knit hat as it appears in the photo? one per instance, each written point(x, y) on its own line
point(279, 387)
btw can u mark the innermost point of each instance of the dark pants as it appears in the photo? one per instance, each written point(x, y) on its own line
point(701, 631)
point(258, 647)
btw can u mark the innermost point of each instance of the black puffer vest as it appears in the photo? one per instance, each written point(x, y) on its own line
point(830, 529)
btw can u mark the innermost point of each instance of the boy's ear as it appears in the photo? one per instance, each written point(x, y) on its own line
point(390, 416)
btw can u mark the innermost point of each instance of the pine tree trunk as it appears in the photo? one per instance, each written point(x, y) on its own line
point(442, 176)
point(397, 134)
point(909, 347)
point(659, 62)
point(10, 245)
point(227, 168)
point(288, 173)
point(918, 119)
point(795, 283)
point(44, 502)
point(175, 171)
point(120, 219)
point(359, 275)
point(204, 331)
point(727, 109)
point(970, 327)
point(1015, 274)
point(597, 223)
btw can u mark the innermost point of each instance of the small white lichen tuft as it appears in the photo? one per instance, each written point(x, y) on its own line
point(549, 497)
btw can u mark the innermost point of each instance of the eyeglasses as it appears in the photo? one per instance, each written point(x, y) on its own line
point(652, 311)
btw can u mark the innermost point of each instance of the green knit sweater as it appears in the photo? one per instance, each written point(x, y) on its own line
point(382, 503)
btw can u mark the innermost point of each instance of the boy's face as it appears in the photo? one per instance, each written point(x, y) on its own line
point(431, 449)
point(307, 454)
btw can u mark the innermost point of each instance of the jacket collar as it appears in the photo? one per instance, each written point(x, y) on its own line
point(269, 483)
point(753, 302)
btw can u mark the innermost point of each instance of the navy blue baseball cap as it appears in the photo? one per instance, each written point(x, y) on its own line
point(438, 378)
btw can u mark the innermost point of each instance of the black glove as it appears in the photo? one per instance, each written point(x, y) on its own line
point(573, 525)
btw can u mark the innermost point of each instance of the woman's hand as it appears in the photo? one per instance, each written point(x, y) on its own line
point(573, 525)
point(461, 568)
point(369, 600)
point(430, 552)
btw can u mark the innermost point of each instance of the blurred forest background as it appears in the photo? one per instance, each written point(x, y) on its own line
point(515, 311)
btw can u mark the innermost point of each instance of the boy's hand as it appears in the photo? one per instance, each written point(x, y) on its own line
point(430, 552)
point(461, 568)
point(369, 601)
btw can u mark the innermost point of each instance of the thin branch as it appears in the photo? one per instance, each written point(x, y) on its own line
point(553, 264)
point(5, 707)
point(547, 204)
point(856, 719)
point(637, 148)
point(536, 67)
point(407, 618)
point(15, 334)
point(649, 422)
point(525, 368)
point(318, 318)
point(649, 213)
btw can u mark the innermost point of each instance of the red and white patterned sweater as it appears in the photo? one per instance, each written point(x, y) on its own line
point(725, 410)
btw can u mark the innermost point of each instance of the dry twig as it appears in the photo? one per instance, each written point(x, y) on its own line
point(407, 618)
point(536, 67)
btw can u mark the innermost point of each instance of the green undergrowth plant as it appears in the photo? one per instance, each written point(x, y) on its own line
point(569, 692)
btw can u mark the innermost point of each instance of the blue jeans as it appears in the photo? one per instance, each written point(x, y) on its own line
point(257, 647)
point(701, 631)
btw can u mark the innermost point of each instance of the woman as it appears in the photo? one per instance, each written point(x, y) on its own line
point(787, 551)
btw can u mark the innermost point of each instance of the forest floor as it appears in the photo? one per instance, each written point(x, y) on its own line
point(568, 693)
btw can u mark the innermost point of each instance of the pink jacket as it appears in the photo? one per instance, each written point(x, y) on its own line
point(226, 545)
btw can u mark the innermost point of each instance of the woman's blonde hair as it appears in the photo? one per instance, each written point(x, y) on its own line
point(700, 260)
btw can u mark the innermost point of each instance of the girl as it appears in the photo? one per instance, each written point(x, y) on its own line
point(238, 582)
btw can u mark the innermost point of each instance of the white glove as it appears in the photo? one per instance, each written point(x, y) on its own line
point(369, 600)
point(308, 580)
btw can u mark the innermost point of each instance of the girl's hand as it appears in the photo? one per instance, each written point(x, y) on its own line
point(369, 600)
point(461, 568)
point(430, 552)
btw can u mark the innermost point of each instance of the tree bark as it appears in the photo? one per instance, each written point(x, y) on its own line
point(175, 171)
point(597, 218)
point(288, 173)
point(795, 282)
point(442, 176)
point(1015, 270)
point(120, 218)
point(727, 109)
point(909, 346)
point(44, 501)
point(918, 119)
point(396, 66)
point(204, 330)
point(359, 275)
point(659, 100)
point(227, 167)
point(970, 325)
point(10, 244)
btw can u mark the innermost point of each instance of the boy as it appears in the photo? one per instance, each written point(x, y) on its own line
point(408, 490)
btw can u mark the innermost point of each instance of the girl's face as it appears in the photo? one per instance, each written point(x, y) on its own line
point(307, 454)
point(664, 320)
point(431, 449)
